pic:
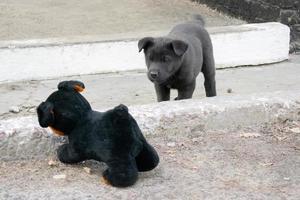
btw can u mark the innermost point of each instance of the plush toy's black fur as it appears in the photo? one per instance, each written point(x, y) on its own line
point(112, 137)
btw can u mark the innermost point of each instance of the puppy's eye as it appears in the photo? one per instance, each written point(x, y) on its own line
point(165, 59)
point(151, 57)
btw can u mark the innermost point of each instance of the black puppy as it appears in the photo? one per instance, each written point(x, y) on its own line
point(112, 137)
point(175, 61)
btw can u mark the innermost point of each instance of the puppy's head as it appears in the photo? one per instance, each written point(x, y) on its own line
point(163, 57)
point(64, 108)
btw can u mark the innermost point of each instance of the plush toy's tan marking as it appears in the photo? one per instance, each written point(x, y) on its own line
point(104, 181)
point(57, 132)
point(78, 88)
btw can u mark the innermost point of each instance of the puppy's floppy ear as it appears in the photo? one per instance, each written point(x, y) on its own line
point(145, 42)
point(45, 114)
point(71, 86)
point(179, 47)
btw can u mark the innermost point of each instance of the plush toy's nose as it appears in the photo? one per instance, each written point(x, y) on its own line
point(45, 114)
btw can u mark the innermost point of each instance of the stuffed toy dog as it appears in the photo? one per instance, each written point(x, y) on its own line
point(112, 137)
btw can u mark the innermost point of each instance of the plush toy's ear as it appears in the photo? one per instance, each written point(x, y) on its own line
point(144, 43)
point(179, 47)
point(71, 86)
point(121, 111)
point(120, 115)
point(45, 114)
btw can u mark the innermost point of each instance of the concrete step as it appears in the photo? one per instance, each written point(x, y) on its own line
point(250, 44)
point(23, 138)
point(108, 90)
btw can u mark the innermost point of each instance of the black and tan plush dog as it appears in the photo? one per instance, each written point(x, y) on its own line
point(112, 137)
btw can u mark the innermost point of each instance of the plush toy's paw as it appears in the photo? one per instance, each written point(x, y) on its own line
point(147, 159)
point(104, 181)
point(119, 178)
point(67, 154)
point(71, 86)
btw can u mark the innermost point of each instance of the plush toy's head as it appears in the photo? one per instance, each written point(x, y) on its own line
point(64, 108)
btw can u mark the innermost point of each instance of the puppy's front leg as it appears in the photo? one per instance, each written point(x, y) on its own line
point(67, 154)
point(186, 92)
point(162, 93)
point(121, 173)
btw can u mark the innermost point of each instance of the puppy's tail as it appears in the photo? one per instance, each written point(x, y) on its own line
point(199, 18)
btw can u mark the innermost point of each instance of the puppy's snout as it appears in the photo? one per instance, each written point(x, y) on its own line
point(154, 74)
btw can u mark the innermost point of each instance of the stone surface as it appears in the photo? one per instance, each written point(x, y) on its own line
point(14, 109)
point(22, 138)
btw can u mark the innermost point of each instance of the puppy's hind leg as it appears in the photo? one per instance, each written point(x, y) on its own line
point(209, 71)
point(67, 154)
point(186, 92)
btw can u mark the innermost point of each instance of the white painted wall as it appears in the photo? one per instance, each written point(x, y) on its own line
point(250, 44)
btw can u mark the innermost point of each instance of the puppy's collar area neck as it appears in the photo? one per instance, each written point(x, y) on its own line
point(171, 79)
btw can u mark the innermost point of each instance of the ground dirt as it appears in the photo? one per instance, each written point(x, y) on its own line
point(35, 19)
point(248, 163)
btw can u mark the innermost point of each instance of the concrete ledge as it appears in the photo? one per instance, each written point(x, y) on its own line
point(22, 138)
point(250, 44)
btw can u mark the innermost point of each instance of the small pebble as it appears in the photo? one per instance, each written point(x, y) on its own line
point(182, 144)
point(195, 140)
point(52, 163)
point(59, 176)
point(171, 144)
point(249, 135)
point(295, 130)
point(229, 90)
point(87, 170)
point(14, 109)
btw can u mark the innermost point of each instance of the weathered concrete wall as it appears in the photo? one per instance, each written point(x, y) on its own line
point(284, 11)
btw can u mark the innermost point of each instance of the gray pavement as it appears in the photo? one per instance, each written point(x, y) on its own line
point(133, 88)
point(32, 19)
